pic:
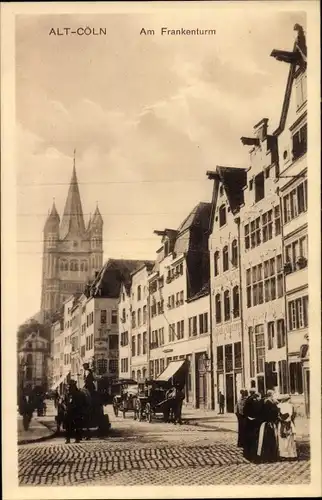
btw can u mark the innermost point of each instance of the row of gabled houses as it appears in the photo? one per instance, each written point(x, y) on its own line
point(227, 290)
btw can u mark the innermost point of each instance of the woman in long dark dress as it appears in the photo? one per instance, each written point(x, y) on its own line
point(252, 416)
point(267, 450)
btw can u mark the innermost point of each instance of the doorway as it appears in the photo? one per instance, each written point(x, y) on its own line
point(201, 382)
point(230, 393)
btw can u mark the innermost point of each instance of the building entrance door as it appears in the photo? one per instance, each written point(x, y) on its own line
point(201, 382)
point(230, 393)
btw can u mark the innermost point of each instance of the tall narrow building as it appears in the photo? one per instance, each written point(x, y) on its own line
point(72, 252)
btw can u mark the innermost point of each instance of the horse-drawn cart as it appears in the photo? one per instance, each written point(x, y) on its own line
point(163, 396)
point(124, 401)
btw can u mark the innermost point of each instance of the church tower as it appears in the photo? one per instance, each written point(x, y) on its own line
point(72, 253)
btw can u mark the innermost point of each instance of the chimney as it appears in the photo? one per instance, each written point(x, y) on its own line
point(261, 129)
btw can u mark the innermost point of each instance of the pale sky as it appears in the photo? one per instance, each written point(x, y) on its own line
point(148, 117)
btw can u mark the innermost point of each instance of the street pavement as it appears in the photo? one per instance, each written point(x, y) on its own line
point(139, 453)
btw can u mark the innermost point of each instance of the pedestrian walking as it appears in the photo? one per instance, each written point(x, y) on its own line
point(221, 400)
point(286, 434)
point(56, 398)
point(74, 412)
point(252, 413)
point(239, 410)
point(267, 450)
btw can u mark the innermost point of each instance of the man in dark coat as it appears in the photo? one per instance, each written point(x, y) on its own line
point(240, 417)
point(74, 412)
point(252, 415)
point(221, 401)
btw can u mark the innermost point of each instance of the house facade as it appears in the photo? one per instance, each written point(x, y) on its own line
point(33, 362)
point(262, 266)
point(226, 283)
point(293, 192)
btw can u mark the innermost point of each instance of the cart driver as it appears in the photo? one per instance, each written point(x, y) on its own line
point(89, 379)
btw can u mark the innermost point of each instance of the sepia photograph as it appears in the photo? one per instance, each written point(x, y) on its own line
point(160, 329)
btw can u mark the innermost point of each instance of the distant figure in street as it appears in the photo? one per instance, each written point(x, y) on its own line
point(56, 398)
point(26, 406)
point(221, 401)
point(240, 417)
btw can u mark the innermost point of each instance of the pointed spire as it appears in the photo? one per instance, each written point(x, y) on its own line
point(52, 222)
point(97, 218)
point(54, 212)
point(73, 220)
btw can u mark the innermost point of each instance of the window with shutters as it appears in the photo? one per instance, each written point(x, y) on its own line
point(216, 263)
point(234, 253)
point(225, 258)
point(270, 334)
point(226, 305)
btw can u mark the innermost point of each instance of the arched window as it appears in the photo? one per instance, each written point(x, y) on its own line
point(139, 375)
point(71, 265)
point(234, 253)
point(133, 319)
point(225, 258)
point(76, 265)
point(222, 215)
point(63, 264)
point(218, 308)
point(66, 265)
point(216, 263)
point(144, 315)
point(139, 317)
point(236, 301)
point(82, 266)
point(133, 375)
point(226, 305)
point(139, 292)
point(144, 373)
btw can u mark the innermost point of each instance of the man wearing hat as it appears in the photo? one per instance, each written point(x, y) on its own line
point(252, 414)
point(74, 412)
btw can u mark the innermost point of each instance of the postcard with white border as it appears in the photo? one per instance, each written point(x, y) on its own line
point(161, 332)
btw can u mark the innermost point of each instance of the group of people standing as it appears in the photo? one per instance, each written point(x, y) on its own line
point(75, 407)
point(266, 429)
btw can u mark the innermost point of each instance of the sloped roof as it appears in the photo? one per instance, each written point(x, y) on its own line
point(72, 219)
point(113, 273)
point(199, 216)
point(234, 180)
point(300, 49)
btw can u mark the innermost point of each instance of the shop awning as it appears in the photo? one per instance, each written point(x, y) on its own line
point(171, 370)
point(60, 381)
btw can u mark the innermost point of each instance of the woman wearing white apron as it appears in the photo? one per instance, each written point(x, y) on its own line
point(286, 429)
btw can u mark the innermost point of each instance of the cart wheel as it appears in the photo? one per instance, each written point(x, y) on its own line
point(148, 412)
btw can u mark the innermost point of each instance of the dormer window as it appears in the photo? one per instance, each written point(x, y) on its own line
point(222, 215)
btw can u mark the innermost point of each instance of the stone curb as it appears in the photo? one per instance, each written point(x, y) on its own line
point(206, 426)
point(40, 439)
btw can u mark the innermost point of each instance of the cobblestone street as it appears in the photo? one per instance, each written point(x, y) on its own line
point(162, 454)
